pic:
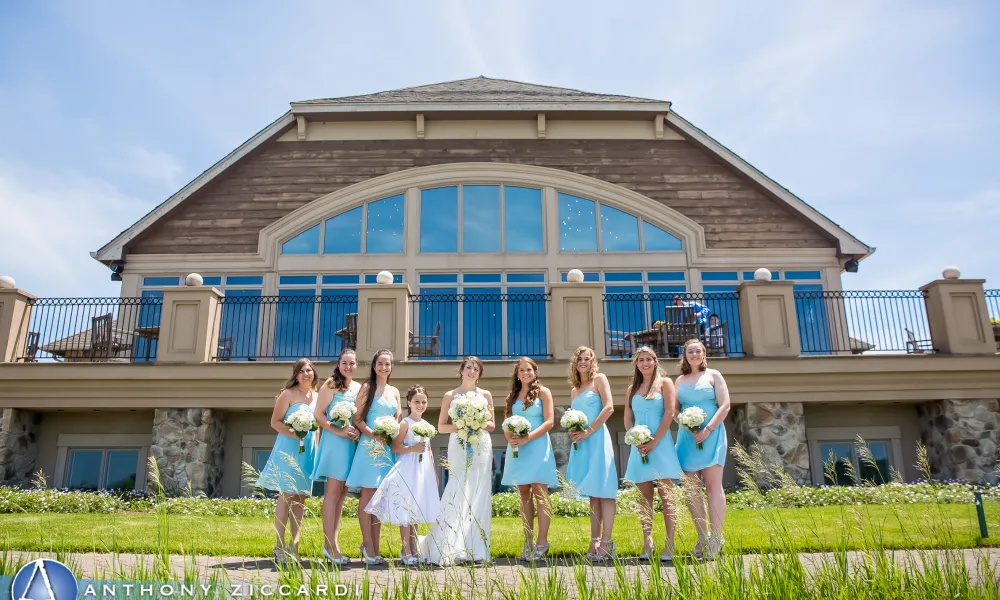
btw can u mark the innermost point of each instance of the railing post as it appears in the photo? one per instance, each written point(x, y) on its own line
point(577, 318)
point(768, 319)
point(189, 326)
point(957, 315)
point(14, 314)
point(383, 319)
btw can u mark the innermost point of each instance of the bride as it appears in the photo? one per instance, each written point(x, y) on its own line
point(462, 530)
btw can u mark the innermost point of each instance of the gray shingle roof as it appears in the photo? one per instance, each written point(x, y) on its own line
point(480, 89)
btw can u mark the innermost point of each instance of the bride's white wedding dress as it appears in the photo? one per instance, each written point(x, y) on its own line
point(462, 530)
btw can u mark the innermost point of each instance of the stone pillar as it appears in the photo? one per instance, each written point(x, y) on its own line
point(18, 445)
point(384, 320)
point(187, 445)
point(768, 320)
point(189, 327)
point(958, 318)
point(14, 315)
point(577, 319)
point(779, 428)
point(961, 438)
point(560, 441)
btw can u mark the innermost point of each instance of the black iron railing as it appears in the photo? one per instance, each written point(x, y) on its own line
point(863, 321)
point(490, 326)
point(664, 321)
point(254, 327)
point(993, 307)
point(119, 330)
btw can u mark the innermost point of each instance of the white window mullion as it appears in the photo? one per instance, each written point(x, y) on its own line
point(364, 228)
point(503, 315)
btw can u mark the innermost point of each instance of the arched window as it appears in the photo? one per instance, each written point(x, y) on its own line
point(619, 231)
point(375, 228)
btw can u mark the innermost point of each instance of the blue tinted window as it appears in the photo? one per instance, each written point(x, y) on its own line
point(775, 275)
point(161, 281)
point(480, 217)
point(396, 278)
point(814, 325)
point(719, 288)
point(306, 242)
point(385, 225)
point(483, 319)
point(526, 278)
point(803, 275)
point(523, 219)
point(587, 277)
point(668, 276)
point(85, 470)
point(245, 280)
point(439, 220)
point(293, 328)
point(655, 238)
point(297, 280)
point(438, 278)
point(122, 469)
point(622, 277)
point(438, 320)
point(526, 322)
point(340, 279)
point(619, 231)
point(149, 316)
point(577, 224)
point(662, 289)
point(212, 280)
point(334, 307)
point(625, 309)
point(342, 234)
point(240, 325)
point(481, 277)
point(720, 276)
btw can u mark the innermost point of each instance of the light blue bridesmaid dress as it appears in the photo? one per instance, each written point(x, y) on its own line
point(335, 453)
point(715, 446)
point(368, 471)
point(663, 462)
point(535, 462)
point(287, 470)
point(591, 470)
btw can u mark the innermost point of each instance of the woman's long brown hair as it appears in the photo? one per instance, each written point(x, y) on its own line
point(294, 379)
point(372, 384)
point(534, 388)
point(337, 381)
point(637, 377)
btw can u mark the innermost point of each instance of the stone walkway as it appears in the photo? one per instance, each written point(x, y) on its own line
point(469, 580)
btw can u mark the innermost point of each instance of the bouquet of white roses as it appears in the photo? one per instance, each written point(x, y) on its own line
point(342, 413)
point(302, 422)
point(470, 413)
point(425, 431)
point(517, 426)
point(637, 436)
point(575, 419)
point(386, 428)
point(692, 418)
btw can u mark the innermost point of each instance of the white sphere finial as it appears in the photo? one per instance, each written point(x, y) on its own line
point(951, 272)
point(384, 277)
point(7, 282)
point(762, 274)
point(194, 280)
point(574, 276)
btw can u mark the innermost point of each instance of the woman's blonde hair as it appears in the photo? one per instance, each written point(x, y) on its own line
point(685, 365)
point(637, 377)
point(574, 376)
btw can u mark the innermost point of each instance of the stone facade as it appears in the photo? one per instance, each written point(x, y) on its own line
point(560, 441)
point(188, 448)
point(779, 429)
point(961, 438)
point(18, 445)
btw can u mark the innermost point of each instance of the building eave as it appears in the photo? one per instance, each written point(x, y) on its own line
point(313, 108)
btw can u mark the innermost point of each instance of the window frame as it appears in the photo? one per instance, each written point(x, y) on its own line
point(460, 218)
point(889, 434)
point(364, 206)
point(66, 443)
point(599, 227)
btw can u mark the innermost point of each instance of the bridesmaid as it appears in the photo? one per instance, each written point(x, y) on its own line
point(336, 451)
point(534, 469)
point(591, 470)
point(652, 403)
point(376, 398)
point(288, 471)
point(705, 388)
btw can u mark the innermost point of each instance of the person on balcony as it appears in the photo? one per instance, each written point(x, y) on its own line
point(701, 312)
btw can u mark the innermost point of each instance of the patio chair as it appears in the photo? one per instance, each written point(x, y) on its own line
point(100, 337)
point(717, 339)
point(351, 327)
point(426, 345)
point(225, 350)
point(31, 347)
point(915, 346)
point(618, 345)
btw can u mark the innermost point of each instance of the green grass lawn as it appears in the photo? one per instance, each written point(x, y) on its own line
point(807, 529)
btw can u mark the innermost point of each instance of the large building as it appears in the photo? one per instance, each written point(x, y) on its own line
point(478, 197)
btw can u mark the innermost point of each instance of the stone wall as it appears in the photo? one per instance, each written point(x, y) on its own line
point(188, 448)
point(779, 429)
point(560, 442)
point(961, 438)
point(18, 445)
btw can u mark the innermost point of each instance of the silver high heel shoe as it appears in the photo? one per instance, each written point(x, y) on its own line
point(339, 562)
point(370, 560)
point(714, 547)
point(591, 556)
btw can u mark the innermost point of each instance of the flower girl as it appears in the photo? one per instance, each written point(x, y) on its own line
point(408, 495)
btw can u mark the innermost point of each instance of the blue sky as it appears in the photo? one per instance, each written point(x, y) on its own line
point(880, 114)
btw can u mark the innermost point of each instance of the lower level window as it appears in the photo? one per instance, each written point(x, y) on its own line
point(842, 453)
point(103, 469)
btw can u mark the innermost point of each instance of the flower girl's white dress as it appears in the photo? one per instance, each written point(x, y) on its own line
point(408, 493)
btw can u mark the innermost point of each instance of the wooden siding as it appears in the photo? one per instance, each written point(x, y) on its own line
point(228, 214)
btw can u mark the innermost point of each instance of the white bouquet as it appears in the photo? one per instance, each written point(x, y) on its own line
point(692, 418)
point(517, 426)
point(575, 419)
point(637, 436)
point(302, 422)
point(470, 414)
point(386, 428)
point(425, 431)
point(342, 413)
